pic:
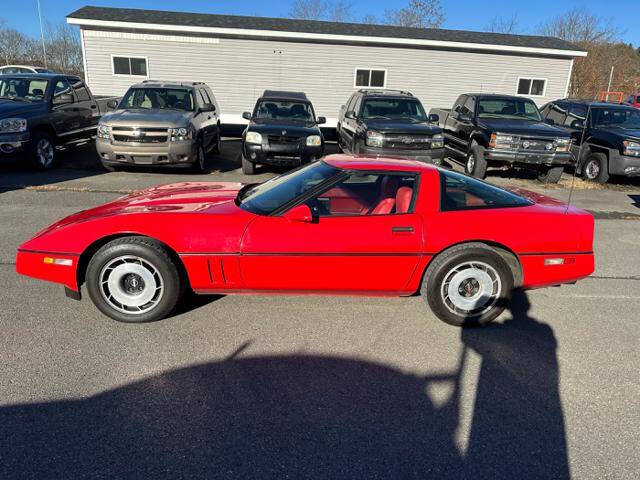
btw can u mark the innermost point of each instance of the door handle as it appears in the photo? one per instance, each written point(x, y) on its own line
point(401, 229)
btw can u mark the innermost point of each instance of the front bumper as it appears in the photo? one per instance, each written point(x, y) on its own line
point(434, 155)
point(12, 144)
point(290, 154)
point(623, 164)
point(52, 267)
point(172, 153)
point(528, 158)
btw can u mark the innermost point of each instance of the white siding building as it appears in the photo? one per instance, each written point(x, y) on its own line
point(239, 57)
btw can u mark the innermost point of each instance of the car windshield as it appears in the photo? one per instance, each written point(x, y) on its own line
point(508, 108)
point(267, 197)
point(616, 118)
point(284, 110)
point(393, 109)
point(23, 89)
point(158, 98)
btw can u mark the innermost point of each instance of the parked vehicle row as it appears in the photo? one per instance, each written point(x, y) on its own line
point(40, 112)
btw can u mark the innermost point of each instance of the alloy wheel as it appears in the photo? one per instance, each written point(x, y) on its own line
point(45, 152)
point(471, 288)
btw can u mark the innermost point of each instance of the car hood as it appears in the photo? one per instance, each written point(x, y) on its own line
point(141, 117)
point(633, 133)
point(398, 126)
point(522, 127)
point(11, 108)
point(184, 197)
point(278, 127)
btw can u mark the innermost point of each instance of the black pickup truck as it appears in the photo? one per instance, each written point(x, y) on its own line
point(389, 122)
point(611, 144)
point(484, 130)
point(43, 111)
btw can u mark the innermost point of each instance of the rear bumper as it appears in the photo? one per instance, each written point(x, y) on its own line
point(285, 154)
point(575, 266)
point(623, 164)
point(529, 158)
point(173, 153)
point(52, 267)
point(429, 156)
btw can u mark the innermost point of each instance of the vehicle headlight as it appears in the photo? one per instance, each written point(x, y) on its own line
point(13, 125)
point(499, 140)
point(180, 134)
point(314, 141)
point(631, 147)
point(437, 141)
point(562, 144)
point(253, 137)
point(374, 139)
point(104, 131)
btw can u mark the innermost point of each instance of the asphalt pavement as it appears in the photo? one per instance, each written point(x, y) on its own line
point(310, 386)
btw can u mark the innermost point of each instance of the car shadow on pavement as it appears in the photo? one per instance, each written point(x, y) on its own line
point(308, 416)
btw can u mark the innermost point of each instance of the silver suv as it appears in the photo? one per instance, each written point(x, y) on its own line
point(161, 123)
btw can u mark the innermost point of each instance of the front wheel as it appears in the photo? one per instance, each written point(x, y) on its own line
point(43, 151)
point(133, 280)
point(468, 285)
point(550, 174)
point(201, 162)
point(596, 168)
point(248, 168)
point(476, 165)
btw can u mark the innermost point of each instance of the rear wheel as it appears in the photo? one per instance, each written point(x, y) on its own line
point(201, 162)
point(133, 280)
point(248, 168)
point(468, 285)
point(550, 174)
point(596, 168)
point(218, 146)
point(476, 165)
point(43, 151)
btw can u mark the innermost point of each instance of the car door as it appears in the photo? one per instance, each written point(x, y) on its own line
point(67, 121)
point(214, 116)
point(86, 107)
point(209, 119)
point(352, 245)
point(348, 127)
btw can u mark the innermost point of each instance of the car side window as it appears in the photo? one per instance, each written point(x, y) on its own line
point(80, 90)
point(459, 103)
point(469, 107)
point(576, 112)
point(558, 112)
point(200, 97)
point(61, 87)
point(544, 111)
point(350, 103)
point(356, 106)
point(362, 194)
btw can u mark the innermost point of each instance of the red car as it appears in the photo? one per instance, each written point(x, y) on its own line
point(343, 225)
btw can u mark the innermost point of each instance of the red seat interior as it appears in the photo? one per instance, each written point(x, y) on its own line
point(387, 199)
point(403, 199)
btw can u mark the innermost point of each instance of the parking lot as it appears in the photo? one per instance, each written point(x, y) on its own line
point(316, 387)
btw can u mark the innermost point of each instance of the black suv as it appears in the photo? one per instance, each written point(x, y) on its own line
point(283, 130)
point(611, 136)
point(389, 122)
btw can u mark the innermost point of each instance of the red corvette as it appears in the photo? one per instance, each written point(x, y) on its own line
point(343, 225)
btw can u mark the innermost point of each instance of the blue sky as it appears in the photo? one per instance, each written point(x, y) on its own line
point(461, 14)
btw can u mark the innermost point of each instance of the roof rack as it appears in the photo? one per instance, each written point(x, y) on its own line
point(385, 91)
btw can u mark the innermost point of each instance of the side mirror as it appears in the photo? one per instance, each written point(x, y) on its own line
point(208, 107)
point(112, 104)
point(321, 120)
point(577, 124)
point(246, 115)
point(434, 118)
point(300, 213)
point(62, 99)
point(350, 114)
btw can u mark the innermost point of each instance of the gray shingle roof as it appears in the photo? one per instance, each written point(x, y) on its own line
point(313, 26)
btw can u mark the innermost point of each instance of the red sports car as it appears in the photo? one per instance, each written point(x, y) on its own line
point(342, 225)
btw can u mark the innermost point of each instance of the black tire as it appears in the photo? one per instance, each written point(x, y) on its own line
point(596, 168)
point(108, 168)
point(200, 166)
point(439, 273)
point(129, 257)
point(217, 148)
point(550, 174)
point(248, 168)
point(42, 151)
point(476, 165)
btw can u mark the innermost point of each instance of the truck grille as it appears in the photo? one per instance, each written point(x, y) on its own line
point(283, 139)
point(535, 145)
point(408, 142)
point(140, 135)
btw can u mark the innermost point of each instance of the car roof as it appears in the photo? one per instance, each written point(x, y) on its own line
point(47, 76)
point(368, 162)
point(285, 95)
point(592, 103)
point(375, 92)
point(165, 84)
point(497, 96)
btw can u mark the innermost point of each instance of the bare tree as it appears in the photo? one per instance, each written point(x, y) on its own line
point(339, 11)
point(370, 19)
point(418, 14)
point(333, 11)
point(501, 24)
point(12, 44)
point(580, 26)
point(64, 52)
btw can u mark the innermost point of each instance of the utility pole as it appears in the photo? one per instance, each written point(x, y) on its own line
point(609, 86)
point(44, 48)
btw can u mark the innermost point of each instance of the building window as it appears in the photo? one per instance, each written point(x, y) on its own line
point(531, 86)
point(135, 66)
point(370, 78)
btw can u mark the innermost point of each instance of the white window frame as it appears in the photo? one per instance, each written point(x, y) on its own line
point(544, 90)
point(123, 55)
point(355, 76)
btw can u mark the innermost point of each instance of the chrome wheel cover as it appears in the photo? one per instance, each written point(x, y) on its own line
point(45, 152)
point(471, 288)
point(131, 285)
point(592, 169)
point(471, 163)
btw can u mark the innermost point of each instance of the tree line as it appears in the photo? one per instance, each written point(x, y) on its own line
point(595, 34)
